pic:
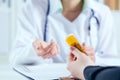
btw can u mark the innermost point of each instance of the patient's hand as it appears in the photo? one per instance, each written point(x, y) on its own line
point(89, 51)
point(44, 49)
point(77, 62)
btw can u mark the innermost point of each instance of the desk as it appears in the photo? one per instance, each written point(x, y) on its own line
point(6, 73)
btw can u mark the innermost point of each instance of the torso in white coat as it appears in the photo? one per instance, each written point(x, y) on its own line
point(31, 26)
point(58, 28)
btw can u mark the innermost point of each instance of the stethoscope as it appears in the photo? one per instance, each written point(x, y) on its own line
point(89, 23)
point(46, 21)
point(92, 16)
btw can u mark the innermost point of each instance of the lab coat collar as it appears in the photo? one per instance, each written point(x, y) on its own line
point(58, 6)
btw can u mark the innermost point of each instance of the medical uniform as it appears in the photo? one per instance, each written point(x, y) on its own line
point(31, 24)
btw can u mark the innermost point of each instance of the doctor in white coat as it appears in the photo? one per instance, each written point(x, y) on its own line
point(43, 26)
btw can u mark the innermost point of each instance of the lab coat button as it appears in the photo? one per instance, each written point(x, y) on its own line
point(101, 52)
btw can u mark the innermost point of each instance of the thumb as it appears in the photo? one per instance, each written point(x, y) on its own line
point(75, 52)
point(84, 44)
point(78, 54)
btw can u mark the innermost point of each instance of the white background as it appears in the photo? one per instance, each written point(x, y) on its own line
point(8, 13)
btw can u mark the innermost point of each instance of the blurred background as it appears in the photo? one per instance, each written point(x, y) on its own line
point(8, 11)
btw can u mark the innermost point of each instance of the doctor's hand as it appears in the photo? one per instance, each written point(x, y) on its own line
point(89, 51)
point(77, 62)
point(44, 49)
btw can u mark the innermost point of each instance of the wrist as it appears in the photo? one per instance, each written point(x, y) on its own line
point(81, 72)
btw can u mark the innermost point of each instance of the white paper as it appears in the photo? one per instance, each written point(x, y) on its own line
point(44, 71)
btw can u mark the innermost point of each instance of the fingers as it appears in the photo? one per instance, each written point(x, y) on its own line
point(75, 51)
point(50, 48)
point(47, 56)
point(84, 44)
point(88, 49)
point(50, 45)
point(58, 48)
point(52, 52)
point(37, 44)
point(76, 54)
point(46, 51)
point(71, 57)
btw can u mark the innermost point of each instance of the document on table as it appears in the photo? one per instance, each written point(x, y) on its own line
point(43, 71)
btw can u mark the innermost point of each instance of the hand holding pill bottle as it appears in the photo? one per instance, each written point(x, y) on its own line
point(73, 42)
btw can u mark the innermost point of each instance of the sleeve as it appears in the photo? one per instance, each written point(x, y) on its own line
point(107, 46)
point(102, 73)
point(30, 24)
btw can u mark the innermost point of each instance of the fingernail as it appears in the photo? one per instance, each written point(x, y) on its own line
point(52, 41)
point(83, 44)
point(72, 48)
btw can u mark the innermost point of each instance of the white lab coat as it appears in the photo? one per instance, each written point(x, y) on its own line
point(31, 21)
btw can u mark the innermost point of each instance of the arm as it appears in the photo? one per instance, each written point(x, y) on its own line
point(29, 28)
point(102, 73)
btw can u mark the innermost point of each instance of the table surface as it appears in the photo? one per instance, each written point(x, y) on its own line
point(7, 73)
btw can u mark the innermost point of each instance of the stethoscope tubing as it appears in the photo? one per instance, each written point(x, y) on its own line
point(89, 25)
